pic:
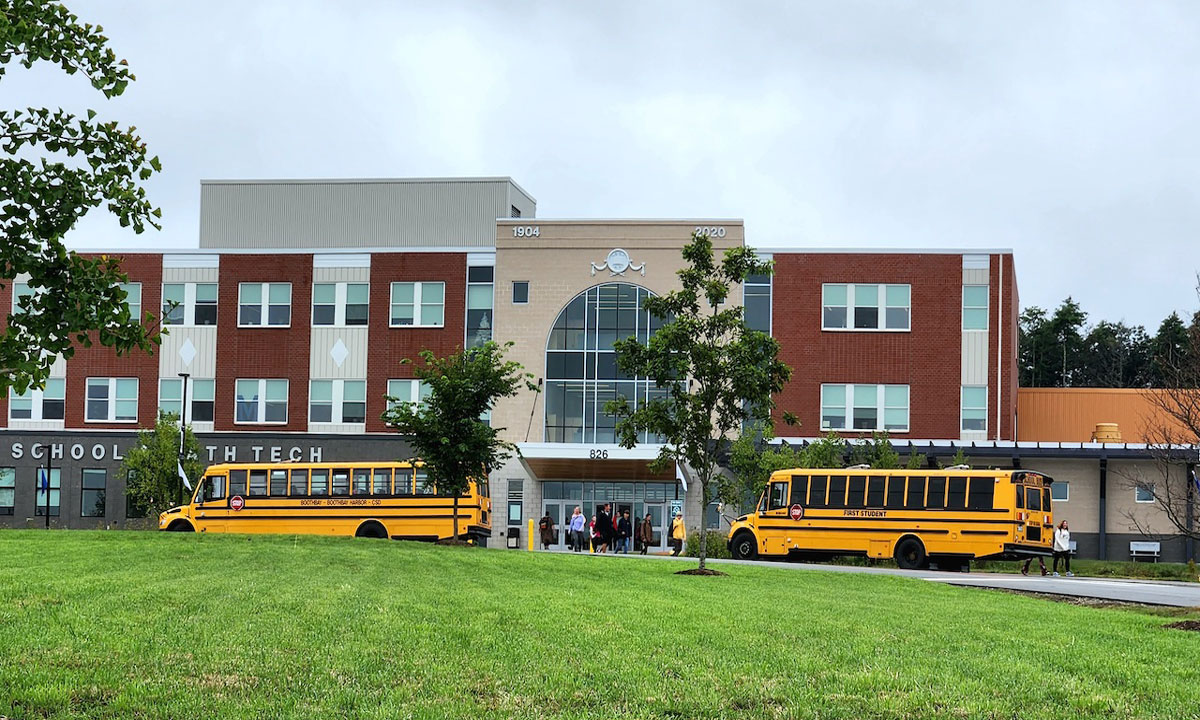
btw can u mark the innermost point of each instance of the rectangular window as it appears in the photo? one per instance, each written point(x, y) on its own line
point(479, 305)
point(298, 483)
point(520, 292)
point(279, 483)
point(264, 304)
point(404, 482)
point(864, 407)
point(975, 307)
point(876, 485)
point(320, 482)
point(816, 490)
point(421, 483)
point(362, 481)
point(340, 401)
point(865, 307)
point(261, 401)
point(189, 304)
point(1143, 494)
point(407, 391)
point(112, 399)
point(418, 304)
point(974, 408)
point(21, 291)
point(341, 482)
point(981, 493)
point(382, 481)
point(133, 299)
point(799, 490)
point(916, 493)
point(937, 493)
point(756, 302)
point(237, 482)
point(956, 495)
point(895, 493)
point(258, 483)
point(340, 304)
point(42, 479)
point(837, 491)
point(1060, 491)
point(92, 489)
point(200, 391)
point(8, 490)
point(856, 491)
point(45, 404)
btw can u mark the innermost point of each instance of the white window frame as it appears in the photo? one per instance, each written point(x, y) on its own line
point(407, 391)
point(111, 400)
point(963, 407)
point(337, 396)
point(881, 408)
point(1066, 488)
point(491, 291)
point(191, 399)
point(986, 308)
point(1137, 495)
point(20, 290)
point(341, 291)
point(881, 307)
point(264, 305)
point(770, 286)
point(135, 309)
point(260, 412)
point(418, 289)
point(37, 400)
point(189, 304)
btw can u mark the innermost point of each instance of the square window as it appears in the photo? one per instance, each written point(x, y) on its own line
point(1060, 491)
point(520, 292)
point(1143, 494)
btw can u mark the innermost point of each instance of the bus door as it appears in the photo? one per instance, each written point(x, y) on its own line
point(1035, 530)
point(775, 523)
point(211, 508)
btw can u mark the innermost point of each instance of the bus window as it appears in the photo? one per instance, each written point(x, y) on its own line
point(1033, 499)
point(916, 493)
point(779, 496)
point(404, 478)
point(875, 487)
point(799, 489)
point(341, 482)
point(424, 487)
point(383, 481)
point(837, 491)
point(279, 482)
point(299, 483)
point(237, 482)
point(895, 493)
point(937, 493)
point(816, 491)
point(956, 498)
point(857, 491)
point(320, 482)
point(258, 483)
point(486, 492)
point(1020, 498)
point(1046, 498)
point(981, 493)
point(212, 489)
point(362, 481)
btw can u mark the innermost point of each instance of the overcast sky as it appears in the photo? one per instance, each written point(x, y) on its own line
point(1065, 131)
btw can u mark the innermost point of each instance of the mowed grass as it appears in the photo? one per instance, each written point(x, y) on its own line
point(129, 624)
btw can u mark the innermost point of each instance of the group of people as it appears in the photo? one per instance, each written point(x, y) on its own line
point(1061, 550)
point(607, 531)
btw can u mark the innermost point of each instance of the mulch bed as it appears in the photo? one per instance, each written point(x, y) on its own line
point(699, 571)
point(1193, 625)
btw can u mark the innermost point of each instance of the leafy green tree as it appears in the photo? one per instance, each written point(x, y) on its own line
point(752, 459)
point(446, 430)
point(55, 166)
point(1115, 355)
point(718, 373)
point(916, 461)
point(1051, 347)
point(152, 465)
point(1170, 349)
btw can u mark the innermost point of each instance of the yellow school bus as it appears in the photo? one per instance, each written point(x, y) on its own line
point(946, 517)
point(360, 499)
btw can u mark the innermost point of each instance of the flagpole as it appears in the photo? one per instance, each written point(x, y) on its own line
point(182, 432)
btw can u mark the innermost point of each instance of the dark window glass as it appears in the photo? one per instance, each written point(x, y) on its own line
point(937, 493)
point(816, 491)
point(202, 411)
point(52, 409)
point(981, 493)
point(354, 412)
point(212, 490)
point(403, 481)
point(876, 484)
point(362, 481)
point(480, 274)
point(279, 482)
point(1033, 499)
point(320, 482)
point(237, 482)
point(858, 488)
point(779, 496)
point(258, 483)
point(757, 301)
point(341, 482)
point(250, 315)
point(1046, 498)
point(833, 317)
point(206, 314)
point(866, 317)
point(956, 497)
point(895, 493)
point(93, 484)
point(299, 486)
point(916, 493)
point(1020, 498)
point(520, 293)
point(323, 314)
point(799, 489)
point(279, 314)
point(383, 482)
point(837, 491)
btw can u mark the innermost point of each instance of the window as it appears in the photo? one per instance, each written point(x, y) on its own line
point(756, 300)
point(22, 290)
point(112, 399)
point(779, 496)
point(258, 483)
point(420, 304)
point(201, 392)
point(8, 490)
point(514, 211)
point(264, 304)
point(279, 483)
point(340, 304)
point(981, 493)
point(45, 404)
point(342, 401)
point(298, 484)
point(916, 493)
point(1144, 493)
point(975, 307)
point(864, 407)
point(40, 480)
point(92, 489)
point(362, 481)
point(937, 493)
point(520, 292)
point(189, 304)
point(479, 305)
point(382, 482)
point(895, 492)
point(261, 401)
point(974, 408)
point(133, 299)
point(1060, 491)
point(404, 481)
point(320, 482)
point(799, 489)
point(409, 391)
point(876, 485)
point(341, 482)
point(865, 307)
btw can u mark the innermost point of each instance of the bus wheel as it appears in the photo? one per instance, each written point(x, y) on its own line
point(910, 553)
point(743, 546)
point(371, 529)
point(181, 526)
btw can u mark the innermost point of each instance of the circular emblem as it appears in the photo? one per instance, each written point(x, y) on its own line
point(236, 502)
point(796, 512)
point(618, 261)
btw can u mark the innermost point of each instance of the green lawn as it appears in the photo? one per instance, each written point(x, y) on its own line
point(128, 624)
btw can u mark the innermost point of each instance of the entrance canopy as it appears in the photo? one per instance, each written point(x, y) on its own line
point(572, 461)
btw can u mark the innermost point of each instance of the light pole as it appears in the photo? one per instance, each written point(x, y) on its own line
point(183, 406)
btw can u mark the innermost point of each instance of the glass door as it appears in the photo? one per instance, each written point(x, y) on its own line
point(658, 514)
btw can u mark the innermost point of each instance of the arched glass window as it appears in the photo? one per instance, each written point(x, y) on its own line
point(581, 367)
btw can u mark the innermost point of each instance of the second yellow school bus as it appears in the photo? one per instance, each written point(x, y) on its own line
point(914, 516)
point(361, 499)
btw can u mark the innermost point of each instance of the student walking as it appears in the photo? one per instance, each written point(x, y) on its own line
point(678, 534)
point(1028, 560)
point(604, 528)
point(624, 532)
point(1062, 549)
point(646, 533)
point(547, 529)
point(577, 524)
point(594, 534)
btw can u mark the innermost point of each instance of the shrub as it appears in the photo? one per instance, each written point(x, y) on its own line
point(718, 545)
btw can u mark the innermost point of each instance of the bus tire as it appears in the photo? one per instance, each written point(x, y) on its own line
point(910, 553)
point(371, 529)
point(743, 546)
point(181, 526)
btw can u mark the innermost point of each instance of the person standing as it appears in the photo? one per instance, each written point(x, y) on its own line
point(604, 528)
point(593, 534)
point(1062, 549)
point(577, 524)
point(678, 534)
point(547, 529)
point(646, 533)
point(624, 532)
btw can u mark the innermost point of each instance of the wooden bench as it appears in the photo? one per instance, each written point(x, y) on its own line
point(1144, 550)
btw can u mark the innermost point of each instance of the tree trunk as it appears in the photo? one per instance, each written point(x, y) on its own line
point(703, 515)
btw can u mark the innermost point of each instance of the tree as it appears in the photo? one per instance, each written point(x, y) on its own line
point(446, 430)
point(718, 373)
point(55, 167)
point(1115, 355)
point(1169, 349)
point(152, 465)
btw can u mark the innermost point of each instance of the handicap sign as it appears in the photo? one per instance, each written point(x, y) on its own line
point(676, 508)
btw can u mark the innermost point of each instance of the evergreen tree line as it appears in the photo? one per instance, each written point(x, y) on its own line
point(1061, 349)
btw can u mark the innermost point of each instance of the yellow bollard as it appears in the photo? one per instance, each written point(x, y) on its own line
point(531, 533)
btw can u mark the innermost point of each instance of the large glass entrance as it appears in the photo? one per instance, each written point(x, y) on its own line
point(561, 497)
